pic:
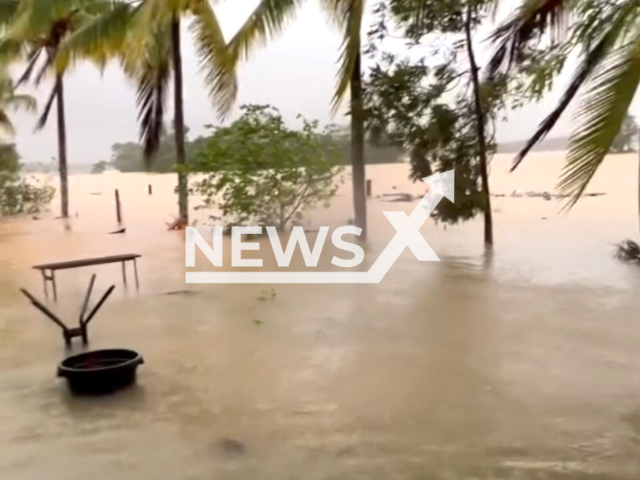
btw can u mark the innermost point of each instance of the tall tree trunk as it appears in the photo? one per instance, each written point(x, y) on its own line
point(62, 149)
point(181, 160)
point(357, 149)
point(480, 126)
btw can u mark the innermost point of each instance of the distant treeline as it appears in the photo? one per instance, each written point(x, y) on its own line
point(128, 157)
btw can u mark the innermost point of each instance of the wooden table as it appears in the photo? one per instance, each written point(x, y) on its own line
point(48, 270)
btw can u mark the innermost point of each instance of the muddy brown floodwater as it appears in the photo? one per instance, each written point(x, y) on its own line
point(524, 365)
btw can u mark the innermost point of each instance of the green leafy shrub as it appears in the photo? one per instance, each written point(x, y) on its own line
point(258, 171)
point(20, 195)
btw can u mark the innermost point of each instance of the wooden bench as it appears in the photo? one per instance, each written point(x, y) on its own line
point(49, 270)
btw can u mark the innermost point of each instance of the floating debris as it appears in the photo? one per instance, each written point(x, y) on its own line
point(232, 446)
point(398, 197)
point(545, 195)
point(267, 295)
point(627, 251)
point(179, 292)
point(178, 224)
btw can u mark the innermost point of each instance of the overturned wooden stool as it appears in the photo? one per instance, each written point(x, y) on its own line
point(81, 331)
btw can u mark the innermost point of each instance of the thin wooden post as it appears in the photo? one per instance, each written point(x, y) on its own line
point(368, 188)
point(118, 207)
point(150, 190)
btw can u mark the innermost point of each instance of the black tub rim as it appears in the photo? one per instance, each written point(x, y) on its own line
point(134, 359)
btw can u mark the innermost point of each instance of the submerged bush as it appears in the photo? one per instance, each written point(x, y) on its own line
point(21, 195)
point(259, 171)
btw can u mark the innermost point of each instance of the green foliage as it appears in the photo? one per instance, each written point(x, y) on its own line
point(626, 139)
point(375, 152)
point(17, 194)
point(260, 172)
point(99, 167)
point(270, 17)
point(20, 195)
point(425, 104)
point(408, 105)
point(9, 158)
point(130, 156)
point(605, 38)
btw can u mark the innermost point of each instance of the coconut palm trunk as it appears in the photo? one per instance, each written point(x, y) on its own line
point(181, 161)
point(62, 148)
point(357, 148)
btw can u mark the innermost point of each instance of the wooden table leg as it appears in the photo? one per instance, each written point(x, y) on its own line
point(53, 284)
point(51, 277)
point(135, 271)
point(44, 281)
point(124, 273)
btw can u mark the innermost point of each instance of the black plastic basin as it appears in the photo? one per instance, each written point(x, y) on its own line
point(100, 371)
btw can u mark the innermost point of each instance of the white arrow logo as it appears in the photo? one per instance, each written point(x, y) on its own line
point(407, 235)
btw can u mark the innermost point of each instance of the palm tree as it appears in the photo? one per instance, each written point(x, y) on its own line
point(268, 20)
point(34, 30)
point(146, 38)
point(608, 74)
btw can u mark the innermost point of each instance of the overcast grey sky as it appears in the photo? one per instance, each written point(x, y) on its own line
point(295, 73)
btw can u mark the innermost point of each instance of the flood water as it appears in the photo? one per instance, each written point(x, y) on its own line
point(523, 365)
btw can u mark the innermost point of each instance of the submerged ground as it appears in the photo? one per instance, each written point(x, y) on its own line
point(523, 365)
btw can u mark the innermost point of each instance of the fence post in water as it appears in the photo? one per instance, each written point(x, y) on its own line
point(368, 188)
point(118, 207)
point(150, 190)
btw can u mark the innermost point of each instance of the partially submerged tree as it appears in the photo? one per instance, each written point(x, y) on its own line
point(17, 193)
point(34, 31)
point(436, 104)
point(260, 172)
point(269, 18)
point(146, 38)
point(99, 167)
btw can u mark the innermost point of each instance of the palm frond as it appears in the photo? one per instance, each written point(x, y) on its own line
point(600, 117)
point(97, 37)
point(32, 60)
point(34, 18)
point(8, 9)
point(532, 20)
point(22, 101)
point(152, 73)
point(265, 23)
point(155, 14)
point(44, 116)
point(46, 66)
point(348, 15)
point(12, 50)
point(592, 59)
point(212, 53)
